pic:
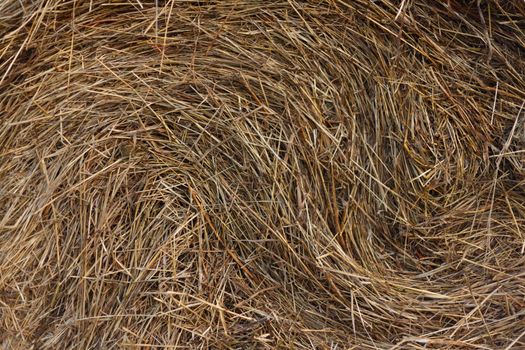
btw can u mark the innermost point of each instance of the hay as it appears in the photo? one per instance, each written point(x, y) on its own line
point(262, 174)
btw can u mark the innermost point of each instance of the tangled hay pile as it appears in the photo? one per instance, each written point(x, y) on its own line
point(262, 174)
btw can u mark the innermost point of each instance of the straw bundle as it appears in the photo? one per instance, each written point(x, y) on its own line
point(262, 174)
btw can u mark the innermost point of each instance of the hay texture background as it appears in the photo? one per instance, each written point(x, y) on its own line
point(262, 174)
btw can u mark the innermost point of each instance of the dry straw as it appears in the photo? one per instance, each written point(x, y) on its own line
point(262, 174)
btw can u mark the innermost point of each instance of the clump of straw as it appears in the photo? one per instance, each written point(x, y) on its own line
point(262, 174)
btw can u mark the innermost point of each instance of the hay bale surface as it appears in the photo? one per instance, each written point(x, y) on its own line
point(262, 174)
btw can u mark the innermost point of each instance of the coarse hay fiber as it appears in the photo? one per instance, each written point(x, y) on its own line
point(250, 174)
